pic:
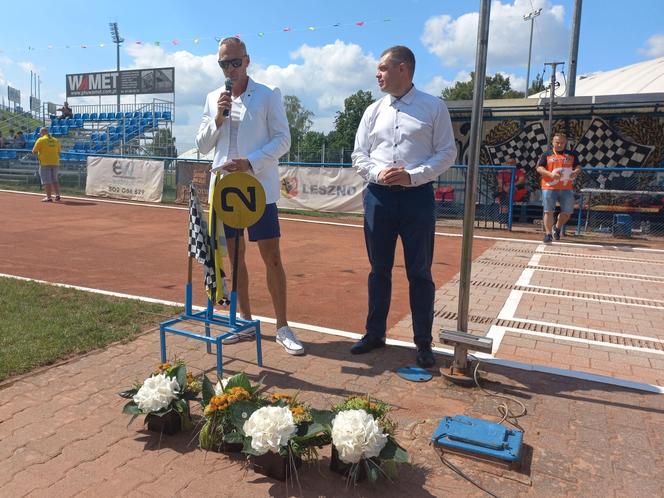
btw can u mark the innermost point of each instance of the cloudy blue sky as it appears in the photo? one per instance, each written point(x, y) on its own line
point(319, 51)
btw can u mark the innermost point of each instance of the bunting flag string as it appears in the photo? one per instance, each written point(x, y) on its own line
point(196, 40)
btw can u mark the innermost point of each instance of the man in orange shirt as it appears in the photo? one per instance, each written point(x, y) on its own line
point(47, 150)
point(559, 168)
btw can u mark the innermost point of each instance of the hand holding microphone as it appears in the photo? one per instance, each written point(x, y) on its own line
point(224, 103)
point(229, 87)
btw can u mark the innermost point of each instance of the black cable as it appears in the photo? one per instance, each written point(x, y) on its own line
point(456, 469)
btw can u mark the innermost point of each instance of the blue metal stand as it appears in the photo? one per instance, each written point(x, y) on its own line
point(230, 323)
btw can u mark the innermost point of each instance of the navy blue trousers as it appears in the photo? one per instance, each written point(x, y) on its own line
point(409, 214)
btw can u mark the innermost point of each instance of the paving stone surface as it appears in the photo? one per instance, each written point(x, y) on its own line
point(63, 434)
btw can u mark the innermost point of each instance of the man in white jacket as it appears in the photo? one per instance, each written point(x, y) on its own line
point(248, 129)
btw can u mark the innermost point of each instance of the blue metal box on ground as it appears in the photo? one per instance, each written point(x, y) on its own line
point(622, 225)
point(478, 437)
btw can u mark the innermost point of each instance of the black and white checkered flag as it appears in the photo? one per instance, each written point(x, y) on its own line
point(199, 247)
point(525, 147)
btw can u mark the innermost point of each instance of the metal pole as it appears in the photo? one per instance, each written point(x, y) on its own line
point(574, 49)
point(117, 81)
point(551, 99)
point(531, 16)
point(473, 157)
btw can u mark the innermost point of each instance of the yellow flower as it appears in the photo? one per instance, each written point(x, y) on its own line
point(209, 410)
point(297, 411)
point(281, 396)
point(190, 377)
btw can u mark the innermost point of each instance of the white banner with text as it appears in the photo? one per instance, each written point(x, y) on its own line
point(337, 190)
point(130, 179)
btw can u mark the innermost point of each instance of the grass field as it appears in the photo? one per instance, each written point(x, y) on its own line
point(40, 324)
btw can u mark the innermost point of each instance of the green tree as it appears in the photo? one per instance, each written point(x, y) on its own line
point(347, 121)
point(299, 120)
point(537, 85)
point(163, 144)
point(311, 146)
point(496, 87)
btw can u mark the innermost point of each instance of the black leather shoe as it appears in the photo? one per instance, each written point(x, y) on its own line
point(425, 357)
point(366, 344)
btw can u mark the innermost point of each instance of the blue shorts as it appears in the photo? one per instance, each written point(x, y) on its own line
point(267, 227)
point(563, 197)
point(48, 174)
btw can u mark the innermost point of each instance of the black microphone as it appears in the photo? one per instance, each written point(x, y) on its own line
point(229, 87)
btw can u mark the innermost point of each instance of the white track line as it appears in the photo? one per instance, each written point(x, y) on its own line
point(588, 330)
point(512, 303)
point(594, 257)
point(353, 335)
point(353, 225)
point(598, 274)
point(556, 289)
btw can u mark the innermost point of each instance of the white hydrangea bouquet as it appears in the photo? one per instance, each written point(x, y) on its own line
point(279, 436)
point(363, 443)
point(164, 398)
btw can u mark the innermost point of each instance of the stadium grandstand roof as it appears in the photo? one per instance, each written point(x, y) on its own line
point(643, 77)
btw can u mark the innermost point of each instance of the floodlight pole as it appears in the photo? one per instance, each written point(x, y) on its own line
point(117, 39)
point(574, 49)
point(530, 17)
point(551, 99)
point(471, 177)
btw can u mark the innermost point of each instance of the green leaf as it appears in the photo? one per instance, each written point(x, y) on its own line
point(239, 380)
point(372, 470)
point(323, 417)
point(208, 390)
point(247, 447)
point(180, 373)
point(240, 413)
point(128, 394)
point(131, 408)
point(233, 437)
point(392, 451)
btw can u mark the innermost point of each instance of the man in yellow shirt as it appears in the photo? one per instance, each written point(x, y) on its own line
point(47, 150)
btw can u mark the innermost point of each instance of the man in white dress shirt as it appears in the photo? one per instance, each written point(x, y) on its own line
point(250, 137)
point(403, 143)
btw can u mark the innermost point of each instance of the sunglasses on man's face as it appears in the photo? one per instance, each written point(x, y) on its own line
point(231, 62)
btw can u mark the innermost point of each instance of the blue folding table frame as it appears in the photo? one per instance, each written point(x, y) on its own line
point(231, 322)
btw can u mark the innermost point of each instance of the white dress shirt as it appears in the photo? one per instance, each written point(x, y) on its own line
point(263, 135)
point(413, 131)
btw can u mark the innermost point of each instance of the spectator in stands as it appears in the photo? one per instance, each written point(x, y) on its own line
point(504, 178)
point(403, 143)
point(66, 111)
point(47, 150)
point(249, 131)
point(559, 168)
point(19, 141)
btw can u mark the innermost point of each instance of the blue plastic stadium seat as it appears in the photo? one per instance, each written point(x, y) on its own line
point(147, 115)
point(114, 137)
point(37, 130)
point(166, 115)
point(112, 129)
point(94, 136)
point(128, 115)
point(110, 116)
point(93, 116)
point(157, 115)
point(77, 115)
point(86, 116)
point(79, 123)
point(103, 116)
point(102, 137)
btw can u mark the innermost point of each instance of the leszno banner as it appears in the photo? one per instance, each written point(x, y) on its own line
point(336, 190)
point(136, 180)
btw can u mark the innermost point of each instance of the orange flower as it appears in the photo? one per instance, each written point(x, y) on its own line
point(190, 377)
point(297, 411)
point(279, 396)
point(209, 410)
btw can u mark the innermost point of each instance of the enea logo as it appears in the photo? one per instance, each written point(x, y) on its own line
point(123, 169)
point(289, 187)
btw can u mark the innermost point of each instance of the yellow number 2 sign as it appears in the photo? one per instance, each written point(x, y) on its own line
point(239, 200)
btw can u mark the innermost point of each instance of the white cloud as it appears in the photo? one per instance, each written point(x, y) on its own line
point(516, 82)
point(318, 76)
point(454, 40)
point(439, 83)
point(654, 46)
point(27, 67)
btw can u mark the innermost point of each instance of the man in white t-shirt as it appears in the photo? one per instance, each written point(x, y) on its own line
point(249, 131)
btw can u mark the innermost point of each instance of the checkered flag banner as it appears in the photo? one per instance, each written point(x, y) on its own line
point(602, 146)
point(199, 249)
point(525, 147)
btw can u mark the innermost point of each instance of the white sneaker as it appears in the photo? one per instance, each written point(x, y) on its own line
point(286, 337)
point(247, 335)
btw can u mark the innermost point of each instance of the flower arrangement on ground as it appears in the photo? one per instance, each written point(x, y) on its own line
point(363, 443)
point(279, 436)
point(164, 398)
point(230, 399)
